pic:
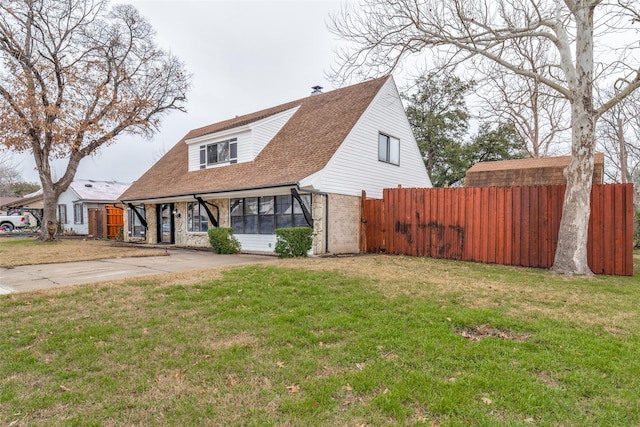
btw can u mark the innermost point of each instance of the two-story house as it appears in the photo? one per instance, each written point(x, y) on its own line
point(303, 163)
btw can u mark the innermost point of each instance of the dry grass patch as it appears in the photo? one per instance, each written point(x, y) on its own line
point(17, 252)
point(476, 333)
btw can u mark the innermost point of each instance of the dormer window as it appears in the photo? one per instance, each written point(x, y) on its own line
point(219, 152)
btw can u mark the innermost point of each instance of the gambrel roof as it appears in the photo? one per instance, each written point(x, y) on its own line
point(302, 147)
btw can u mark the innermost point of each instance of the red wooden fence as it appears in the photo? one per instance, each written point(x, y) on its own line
point(502, 225)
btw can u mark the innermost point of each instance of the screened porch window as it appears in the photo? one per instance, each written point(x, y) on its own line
point(262, 215)
point(136, 229)
point(196, 218)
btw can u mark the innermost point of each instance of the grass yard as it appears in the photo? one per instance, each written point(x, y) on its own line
point(21, 251)
point(362, 341)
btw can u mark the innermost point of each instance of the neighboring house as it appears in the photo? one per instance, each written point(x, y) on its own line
point(6, 200)
point(29, 204)
point(522, 172)
point(82, 207)
point(303, 163)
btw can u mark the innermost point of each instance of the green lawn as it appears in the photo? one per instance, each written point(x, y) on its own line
point(345, 342)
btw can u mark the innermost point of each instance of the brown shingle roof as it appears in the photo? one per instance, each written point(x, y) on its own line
point(302, 147)
point(540, 162)
point(522, 172)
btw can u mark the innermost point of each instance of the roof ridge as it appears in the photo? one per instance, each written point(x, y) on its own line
point(255, 116)
point(302, 146)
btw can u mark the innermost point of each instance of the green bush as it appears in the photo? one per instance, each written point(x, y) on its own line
point(223, 241)
point(293, 242)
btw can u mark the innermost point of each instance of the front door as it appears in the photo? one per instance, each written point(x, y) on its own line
point(165, 223)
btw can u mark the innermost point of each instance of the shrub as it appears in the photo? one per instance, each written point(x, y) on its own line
point(223, 241)
point(293, 242)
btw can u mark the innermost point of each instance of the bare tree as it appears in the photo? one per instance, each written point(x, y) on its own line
point(10, 174)
point(383, 32)
point(619, 138)
point(74, 75)
point(537, 113)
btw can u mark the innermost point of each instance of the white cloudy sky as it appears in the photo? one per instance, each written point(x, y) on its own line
point(244, 56)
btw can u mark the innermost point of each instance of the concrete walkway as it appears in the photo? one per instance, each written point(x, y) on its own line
point(44, 276)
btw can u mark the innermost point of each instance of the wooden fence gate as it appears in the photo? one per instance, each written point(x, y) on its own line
point(502, 225)
point(106, 222)
point(115, 221)
point(97, 222)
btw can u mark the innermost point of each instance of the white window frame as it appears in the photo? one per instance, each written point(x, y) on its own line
point(78, 213)
point(62, 213)
point(231, 152)
point(196, 209)
point(134, 222)
point(388, 149)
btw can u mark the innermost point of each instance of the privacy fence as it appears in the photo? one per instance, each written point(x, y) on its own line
point(115, 221)
point(502, 225)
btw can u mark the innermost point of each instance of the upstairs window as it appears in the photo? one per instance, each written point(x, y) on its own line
point(388, 149)
point(219, 152)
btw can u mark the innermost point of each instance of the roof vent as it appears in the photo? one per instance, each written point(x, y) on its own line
point(88, 185)
point(317, 90)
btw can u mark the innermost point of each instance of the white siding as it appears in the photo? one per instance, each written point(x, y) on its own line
point(257, 242)
point(264, 130)
point(251, 139)
point(244, 146)
point(355, 165)
point(67, 198)
point(194, 157)
point(244, 149)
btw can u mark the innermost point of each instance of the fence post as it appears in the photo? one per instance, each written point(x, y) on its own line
point(363, 223)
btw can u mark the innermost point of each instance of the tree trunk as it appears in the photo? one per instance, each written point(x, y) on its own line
point(571, 252)
point(49, 216)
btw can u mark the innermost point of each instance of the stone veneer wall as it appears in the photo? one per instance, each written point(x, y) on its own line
point(200, 239)
point(317, 213)
point(150, 217)
point(151, 235)
point(344, 224)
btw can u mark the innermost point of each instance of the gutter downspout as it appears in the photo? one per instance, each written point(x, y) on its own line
point(326, 212)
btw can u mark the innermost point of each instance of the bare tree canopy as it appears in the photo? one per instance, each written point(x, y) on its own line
point(10, 174)
point(75, 74)
point(619, 138)
point(574, 35)
point(537, 112)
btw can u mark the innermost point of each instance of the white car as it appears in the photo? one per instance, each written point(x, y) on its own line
point(11, 222)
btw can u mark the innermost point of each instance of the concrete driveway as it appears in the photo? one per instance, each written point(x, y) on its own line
point(44, 276)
